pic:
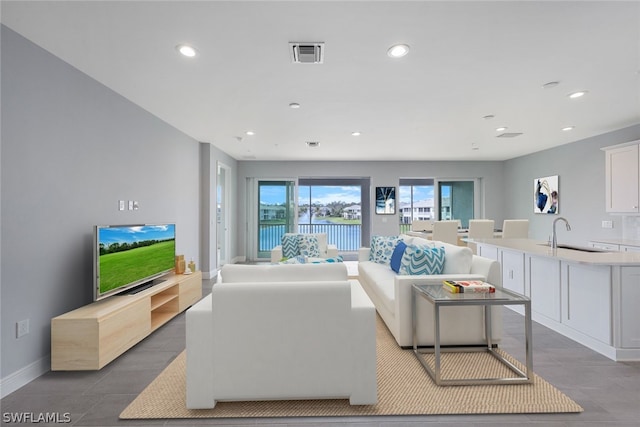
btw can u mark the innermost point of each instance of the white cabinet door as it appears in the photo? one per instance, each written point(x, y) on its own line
point(586, 300)
point(629, 316)
point(629, 248)
point(622, 179)
point(512, 270)
point(544, 285)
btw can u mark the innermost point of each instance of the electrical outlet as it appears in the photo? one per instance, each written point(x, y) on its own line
point(22, 328)
point(607, 224)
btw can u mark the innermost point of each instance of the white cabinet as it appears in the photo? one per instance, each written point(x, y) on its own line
point(586, 300)
point(622, 178)
point(629, 318)
point(512, 263)
point(544, 286)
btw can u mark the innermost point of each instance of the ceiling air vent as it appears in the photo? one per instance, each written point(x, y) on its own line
point(509, 135)
point(313, 144)
point(307, 53)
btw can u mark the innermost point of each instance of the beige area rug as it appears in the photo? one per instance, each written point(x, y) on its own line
point(404, 388)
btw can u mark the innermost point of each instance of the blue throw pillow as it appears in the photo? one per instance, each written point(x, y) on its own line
point(290, 246)
point(396, 257)
point(422, 260)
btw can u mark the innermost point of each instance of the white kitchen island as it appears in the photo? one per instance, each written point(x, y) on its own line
point(590, 297)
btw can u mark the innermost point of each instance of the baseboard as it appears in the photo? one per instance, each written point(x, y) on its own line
point(24, 376)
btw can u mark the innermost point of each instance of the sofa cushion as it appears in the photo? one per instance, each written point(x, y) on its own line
point(308, 245)
point(422, 260)
point(290, 247)
point(396, 257)
point(235, 273)
point(382, 248)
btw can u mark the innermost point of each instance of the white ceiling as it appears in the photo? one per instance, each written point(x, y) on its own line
point(467, 60)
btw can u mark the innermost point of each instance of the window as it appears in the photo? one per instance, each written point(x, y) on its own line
point(337, 207)
point(416, 201)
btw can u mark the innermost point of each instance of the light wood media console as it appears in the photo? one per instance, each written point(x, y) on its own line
point(92, 336)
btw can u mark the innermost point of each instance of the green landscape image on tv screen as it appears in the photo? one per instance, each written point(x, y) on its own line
point(129, 254)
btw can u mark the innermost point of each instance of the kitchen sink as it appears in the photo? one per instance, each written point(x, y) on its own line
point(577, 248)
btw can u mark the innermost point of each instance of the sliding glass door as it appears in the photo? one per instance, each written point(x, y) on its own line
point(276, 214)
point(335, 207)
point(456, 201)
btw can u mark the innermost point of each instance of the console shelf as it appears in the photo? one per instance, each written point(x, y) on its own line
point(94, 335)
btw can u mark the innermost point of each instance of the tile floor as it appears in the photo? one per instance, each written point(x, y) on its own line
point(608, 391)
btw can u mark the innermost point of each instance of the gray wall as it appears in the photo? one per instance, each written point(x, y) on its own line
point(382, 174)
point(209, 158)
point(71, 148)
point(581, 182)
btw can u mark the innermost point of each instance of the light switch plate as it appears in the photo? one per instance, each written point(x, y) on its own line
point(130, 205)
point(607, 224)
point(121, 205)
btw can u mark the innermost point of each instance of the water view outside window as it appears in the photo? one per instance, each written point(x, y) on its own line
point(334, 210)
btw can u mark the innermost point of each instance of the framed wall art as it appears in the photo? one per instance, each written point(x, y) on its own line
point(385, 200)
point(546, 195)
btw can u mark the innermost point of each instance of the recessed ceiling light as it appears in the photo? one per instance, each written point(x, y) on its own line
point(577, 94)
point(550, 85)
point(398, 50)
point(294, 105)
point(356, 133)
point(250, 132)
point(186, 50)
point(501, 128)
point(568, 128)
point(313, 144)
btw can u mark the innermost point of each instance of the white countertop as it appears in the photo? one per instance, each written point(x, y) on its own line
point(540, 248)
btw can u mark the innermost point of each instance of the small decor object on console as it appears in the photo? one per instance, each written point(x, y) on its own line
point(180, 264)
point(192, 266)
point(468, 286)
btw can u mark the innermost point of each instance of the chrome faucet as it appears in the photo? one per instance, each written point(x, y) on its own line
point(554, 239)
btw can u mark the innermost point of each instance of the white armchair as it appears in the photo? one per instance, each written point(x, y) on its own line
point(282, 332)
point(326, 250)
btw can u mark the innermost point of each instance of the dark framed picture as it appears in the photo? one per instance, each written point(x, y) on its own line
point(546, 195)
point(385, 200)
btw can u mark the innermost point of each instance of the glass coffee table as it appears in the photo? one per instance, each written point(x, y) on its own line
point(440, 297)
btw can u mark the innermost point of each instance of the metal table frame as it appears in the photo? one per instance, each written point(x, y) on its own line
point(439, 297)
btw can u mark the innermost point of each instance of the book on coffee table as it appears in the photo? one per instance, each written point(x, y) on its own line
point(462, 286)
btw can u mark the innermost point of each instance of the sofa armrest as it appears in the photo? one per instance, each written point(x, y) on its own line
point(488, 268)
point(199, 344)
point(276, 254)
point(363, 254)
point(403, 289)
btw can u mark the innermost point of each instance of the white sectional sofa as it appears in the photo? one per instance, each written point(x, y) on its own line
point(391, 294)
point(271, 332)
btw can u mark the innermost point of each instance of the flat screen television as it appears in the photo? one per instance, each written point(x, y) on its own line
point(131, 256)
